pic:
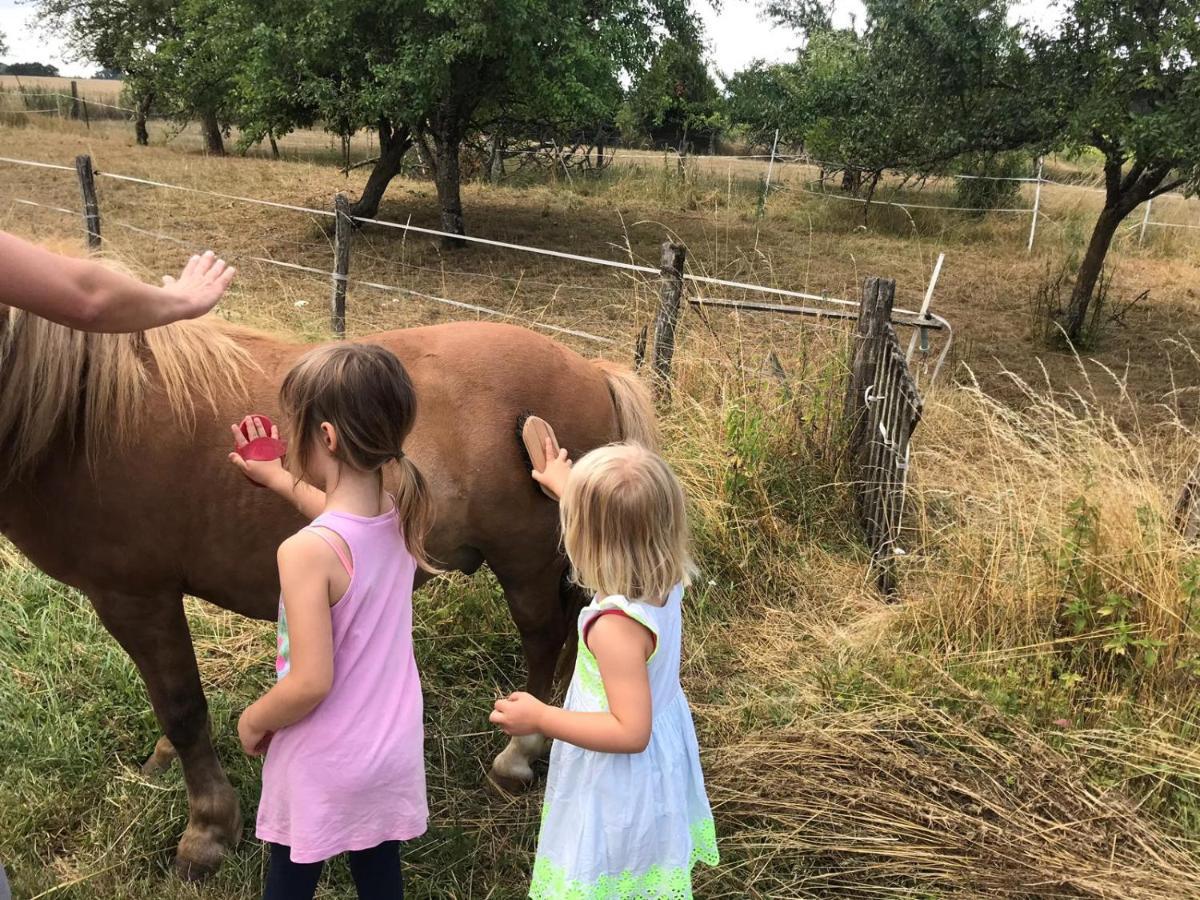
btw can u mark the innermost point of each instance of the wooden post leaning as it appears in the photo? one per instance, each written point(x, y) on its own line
point(343, 231)
point(670, 297)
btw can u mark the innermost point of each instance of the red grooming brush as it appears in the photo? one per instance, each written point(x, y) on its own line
point(261, 449)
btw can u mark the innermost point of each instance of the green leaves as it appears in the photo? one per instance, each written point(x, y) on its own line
point(675, 101)
point(1129, 84)
point(762, 97)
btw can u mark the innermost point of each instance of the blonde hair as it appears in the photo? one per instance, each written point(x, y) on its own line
point(366, 394)
point(64, 390)
point(624, 524)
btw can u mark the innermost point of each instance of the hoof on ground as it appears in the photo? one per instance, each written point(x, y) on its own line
point(160, 760)
point(507, 785)
point(203, 849)
point(198, 863)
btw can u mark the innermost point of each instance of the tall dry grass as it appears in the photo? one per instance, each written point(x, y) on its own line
point(1046, 527)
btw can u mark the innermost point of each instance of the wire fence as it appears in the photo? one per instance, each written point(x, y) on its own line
point(771, 184)
point(772, 159)
point(925, 321)
point(882, 399)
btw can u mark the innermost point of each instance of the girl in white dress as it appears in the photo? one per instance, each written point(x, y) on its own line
point(625, 815)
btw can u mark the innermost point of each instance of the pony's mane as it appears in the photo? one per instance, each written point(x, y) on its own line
point(62, 385)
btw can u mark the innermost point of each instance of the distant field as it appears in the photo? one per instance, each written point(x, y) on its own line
point(97, 88)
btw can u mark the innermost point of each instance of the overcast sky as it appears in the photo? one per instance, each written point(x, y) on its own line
point(736, 35)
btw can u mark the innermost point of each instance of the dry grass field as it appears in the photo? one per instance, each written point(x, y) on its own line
point(89, 88)
point(1023, 722)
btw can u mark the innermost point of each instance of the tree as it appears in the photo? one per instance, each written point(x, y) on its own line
point(120, 35)
point(925, 82)
point(44, 70)
point(675, 101)
point(803, 16)
point(195, 62)
point(761, 99)
point(431, 71)
point(1130, 87)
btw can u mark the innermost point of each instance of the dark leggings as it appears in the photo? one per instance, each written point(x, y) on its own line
point(376, 874)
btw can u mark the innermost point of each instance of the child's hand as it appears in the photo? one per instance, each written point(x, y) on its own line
point(254, 740)
point(558, 467)
point(268, 473)
point(520, 714)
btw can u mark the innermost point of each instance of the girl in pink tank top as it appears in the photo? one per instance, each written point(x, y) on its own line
point(342, 727)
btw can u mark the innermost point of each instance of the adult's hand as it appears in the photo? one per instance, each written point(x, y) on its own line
point(89, 296)
point(201, 284)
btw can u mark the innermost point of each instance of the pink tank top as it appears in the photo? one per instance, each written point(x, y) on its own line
point(351, 774)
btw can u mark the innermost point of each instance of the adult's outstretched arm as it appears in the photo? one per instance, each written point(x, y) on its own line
point(89, 296)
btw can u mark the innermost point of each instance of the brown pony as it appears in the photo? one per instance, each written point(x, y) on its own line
point(115, 482)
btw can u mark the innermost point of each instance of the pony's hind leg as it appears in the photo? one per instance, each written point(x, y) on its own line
point(538, 605)
point(154, 632)
point(160, 760)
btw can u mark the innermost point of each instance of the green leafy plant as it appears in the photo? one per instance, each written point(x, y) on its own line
point(1102, 616)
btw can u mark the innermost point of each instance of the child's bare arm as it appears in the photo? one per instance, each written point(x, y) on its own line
point(306, 565)
point(558, 467)
point(621, 647)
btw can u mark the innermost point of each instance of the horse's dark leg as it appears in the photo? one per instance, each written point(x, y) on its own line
point(154, 632)
point(538, 607)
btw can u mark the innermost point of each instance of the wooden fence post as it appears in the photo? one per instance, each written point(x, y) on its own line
point(670, 294)
point(883, 408)
point(74, 100)
point(343, 229)
point(1187, 507)
point(91, 209)
point(874, 312)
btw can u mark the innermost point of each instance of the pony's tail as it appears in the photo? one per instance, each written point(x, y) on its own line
point(636, 421)
point(414, 509)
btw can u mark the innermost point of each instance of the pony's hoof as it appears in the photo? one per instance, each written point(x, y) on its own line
point(160, 760)
point(508, 785)
point(203, 848)
point(512, 770)
point(199, 859)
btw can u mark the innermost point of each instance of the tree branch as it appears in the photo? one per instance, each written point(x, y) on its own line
point(1166, 188)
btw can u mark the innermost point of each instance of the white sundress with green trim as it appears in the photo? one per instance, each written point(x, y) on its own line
point(627, 826)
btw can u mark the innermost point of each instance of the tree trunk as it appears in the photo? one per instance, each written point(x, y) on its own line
point(496, 160)
point(852, 180)
point(870, 195)
point(393, 145)
point(274, 145)
point(213, 141)
point(1089, 271)
point(142, 110)
point(428, 160)
point(1123, 194)
point(448, 179)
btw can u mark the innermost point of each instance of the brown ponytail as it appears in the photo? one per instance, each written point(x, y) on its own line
point(414, 508)
point(365, 392)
